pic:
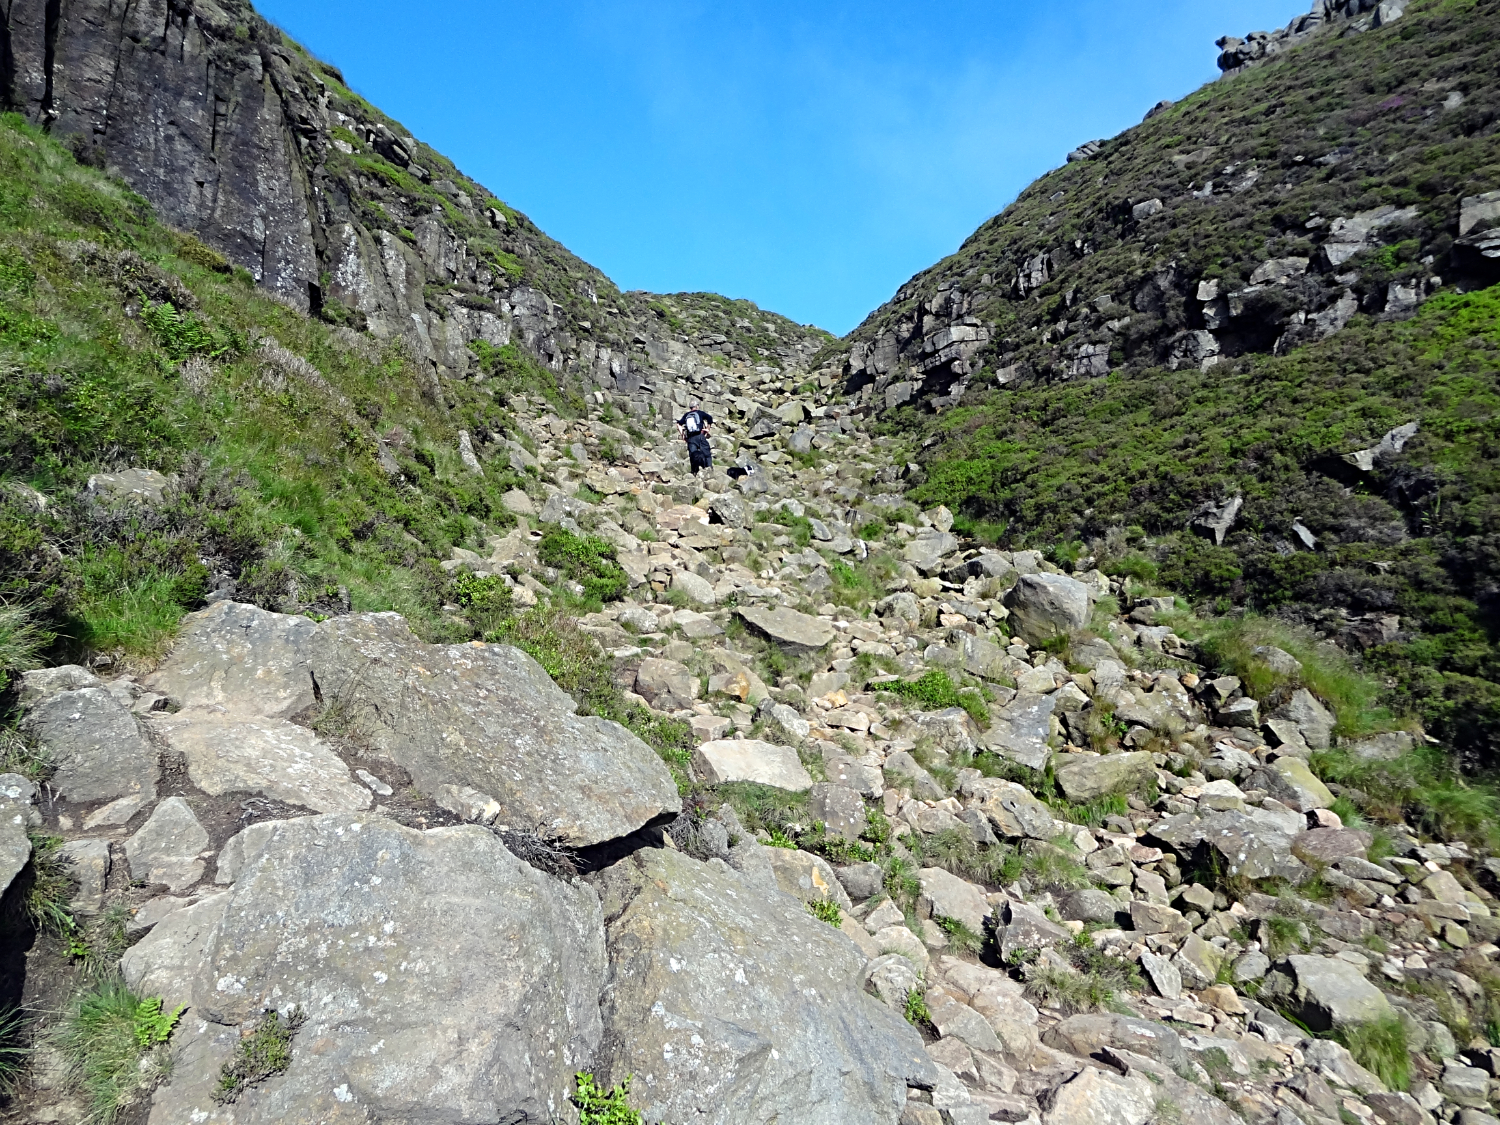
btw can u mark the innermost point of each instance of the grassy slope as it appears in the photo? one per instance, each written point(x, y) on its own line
point(281, 487)
point(1122, 462)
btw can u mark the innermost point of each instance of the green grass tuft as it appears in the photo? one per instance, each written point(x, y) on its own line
point(264, 1053)
point(106, 1035)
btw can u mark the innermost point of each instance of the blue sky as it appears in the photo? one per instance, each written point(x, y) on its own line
point(808, 156)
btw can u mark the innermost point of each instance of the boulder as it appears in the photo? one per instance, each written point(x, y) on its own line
point(1292, 783)
point(945, 895)
point(241, 658)
point(422, 960)
point(1314, 720)
point(892, 978)
point(1044, 606)
point(169, 847)
point(927, 551)
point(698, 589)
point(840, 809)
point(1087, 777)
point(1252, 846)
point(1024, 927)
point(272, 757)
point(749, 759)
point(15, 843)
point(1164, 976)
point(698, 999)
point(793, 631)
point(1327, 992)
point(95, 744)
point(807, 877)
point(862, 880)
point(489, 717)
point(1085, 1034)
point(39, 683)
point(1097, 1097)
point(1013, 810)
point(666, 684)
point(1326, 846)
point(88, 862)
point(1020, 730)
point(139, 486)
point(1088, 905)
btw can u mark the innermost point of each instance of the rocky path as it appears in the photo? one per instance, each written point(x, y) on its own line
point(962, 837)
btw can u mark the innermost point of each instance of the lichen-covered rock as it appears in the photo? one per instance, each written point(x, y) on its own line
point(698, 1007)
point(98, 751)
point(442, 978)
point(1045, 606)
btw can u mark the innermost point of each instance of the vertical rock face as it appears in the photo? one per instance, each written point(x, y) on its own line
point(235, 134)
point(206, 120)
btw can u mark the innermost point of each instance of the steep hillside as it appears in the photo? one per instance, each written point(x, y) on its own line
point(1210, 314)
point(240, 137)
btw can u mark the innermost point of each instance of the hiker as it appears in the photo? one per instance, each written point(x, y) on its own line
point(693, 427)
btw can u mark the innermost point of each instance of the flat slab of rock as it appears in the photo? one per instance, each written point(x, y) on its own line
point(698, 999)
point(272, 757)
point(1021, 729)
point(443, 979)
point(1331, 993)
point(169, 847)
point(99, 751)
point(793, 631)
point(1087, 777)
point(945, 895)
point(241, 658)
point(750, 759)
point(1293, 783)
point(477, 716)
point(807, 877)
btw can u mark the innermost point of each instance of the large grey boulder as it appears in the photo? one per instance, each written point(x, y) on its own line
point(98, 749)
point(39, 683)
point(946, 896)
point(736, 1008)
point(1087, 777)
point(1314, 720)
point(241, 658)
point(927, 551)
point(226, 753)
point(750, 759)
point(490, 718)
point(1098, 1097)
point(478, 716)
point(1326, 992)
point(443, 979)
point(1021, 729)
point(1291, 781)
point(667, 685)
point(793, 631)
point(807, 877)
point(1044, 606)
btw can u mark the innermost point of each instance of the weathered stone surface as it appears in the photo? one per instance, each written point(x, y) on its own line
point(698, 589)
point(15, 844)
point(1329, 845)
point(927, 550)
point(1164, 976)
point(750, 759)
point(440, 947)
point(1254, 846)
point(167, 848)
point(1328, 993)
point(839, 808)
point(1013, 810)
point(862, 880)
point(892, 978)
point(1022, 926)
point(1021, 729)
point(807, 877)
point(488, 717)
point(242, 658)
point(945, 895)
point(1312, 718)
point(697, 1006)
point(115, 813)
point(39, 683)
point(1086, 1033)
point(139, 486)
point(665, 684)
point(1088, 905)
point(793, 631)
point(1197, 962)
point(88, 863)
point(272, 757)
point(98, 749)
point(1292, 783)
point(1087, 777)
point(1044, 606)
point(1094, 1097)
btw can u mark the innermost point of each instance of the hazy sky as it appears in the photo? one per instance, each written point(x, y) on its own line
point(808, 156)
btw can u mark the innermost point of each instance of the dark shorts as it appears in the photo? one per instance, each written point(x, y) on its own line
point(700, 456)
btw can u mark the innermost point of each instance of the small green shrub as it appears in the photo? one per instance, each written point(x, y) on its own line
point(183, 334)
point(826, 910)
point(917, 1012)
point(588, 560)
point(603, 1107)
point(933, 691)
point(265, 1052)
point(106, 1035)
point(486, 601)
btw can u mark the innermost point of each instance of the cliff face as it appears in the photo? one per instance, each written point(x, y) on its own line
point(236, 134)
